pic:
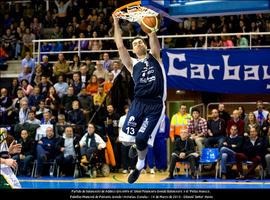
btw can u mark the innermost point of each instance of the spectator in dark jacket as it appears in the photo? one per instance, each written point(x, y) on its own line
point(216, 130)
point(27, 153)
point(253, 149)
point(184, 151)
point(75, 116)
point(69, 148)
point(46, 150)
point(223, 114)
point(231, 146)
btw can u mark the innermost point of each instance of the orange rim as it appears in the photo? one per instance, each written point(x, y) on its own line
point(135, 3)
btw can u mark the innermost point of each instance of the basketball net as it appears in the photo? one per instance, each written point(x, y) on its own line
point(134, 12)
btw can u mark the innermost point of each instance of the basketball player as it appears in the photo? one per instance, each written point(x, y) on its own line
point(147, 109)
point(7, 177)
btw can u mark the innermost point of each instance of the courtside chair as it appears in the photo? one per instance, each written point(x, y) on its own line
point(210, 156)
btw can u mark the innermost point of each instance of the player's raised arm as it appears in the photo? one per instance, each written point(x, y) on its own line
point(123, 53)
point(154, 45)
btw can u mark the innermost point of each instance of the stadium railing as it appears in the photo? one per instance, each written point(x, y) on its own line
point(230, 106)
point(251, 35)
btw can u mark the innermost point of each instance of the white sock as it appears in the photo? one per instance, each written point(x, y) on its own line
point(140, 164)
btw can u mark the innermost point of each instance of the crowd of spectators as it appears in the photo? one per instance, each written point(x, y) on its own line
point(83, 19)
point(75, 89)
point(239, 137)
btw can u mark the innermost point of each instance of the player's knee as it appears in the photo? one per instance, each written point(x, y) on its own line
point(141, 143)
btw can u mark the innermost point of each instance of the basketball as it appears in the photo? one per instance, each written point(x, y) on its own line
point(150, 23)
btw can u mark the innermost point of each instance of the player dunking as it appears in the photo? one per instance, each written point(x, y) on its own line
point(147, 108)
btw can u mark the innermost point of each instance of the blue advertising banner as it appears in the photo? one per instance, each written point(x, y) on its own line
point(222, 71)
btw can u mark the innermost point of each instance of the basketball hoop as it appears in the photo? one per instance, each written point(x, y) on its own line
point(134, 12)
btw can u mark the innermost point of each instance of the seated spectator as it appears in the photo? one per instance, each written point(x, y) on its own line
point(92, 87)
point(8, 40)
point(242, 41)
point(231, 145)
point(27, 41)
point(25, 74)
point(32, 118)
point(26, 155)
point(61, 124)
point(26, 87)
point(197, 129)
point(36, 76)
point(75, 65)
point(57, 33)
point(52, 101)
point(107, 63)
point(216, 130)
point(260, 113)
point(87, 105)
point(41, 109)
point(24, 110)
point(227, 42)
point(251, 123)
point(69, 149)
point(265, 126)
point(5, 107)
point(90, 143)
point(46, 150)
point(67, 99)
point(28, 61)
point(95, 45)
point(47, 68)
point(45, 47)
point(116, 69)
point(75, 116)
point(223, 114)
point(184, 151)
point(47, 118)
point(236, 121)
point(35, 98)
point(84, 76)
point(44, 86)
point(109, 83)
point(216, 42)
point(61, 66)
point(16, 104)
point(12, 90)
point(90, 65)
point(100, 73)
point(253, 149)
point(242, 113)
point(76, 83)
point(56, 47)
point(84, 43)
point(36, 28)
point(61, 86)
point(99, 98)
point(267, 153)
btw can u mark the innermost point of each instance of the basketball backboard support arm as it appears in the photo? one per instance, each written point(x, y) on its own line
point(201, 8)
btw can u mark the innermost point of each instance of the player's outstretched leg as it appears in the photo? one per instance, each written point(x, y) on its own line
point(139, 166)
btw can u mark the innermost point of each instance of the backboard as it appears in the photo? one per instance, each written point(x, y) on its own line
point(201, 8)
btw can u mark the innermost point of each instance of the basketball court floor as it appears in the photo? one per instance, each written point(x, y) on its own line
point(146, 181)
